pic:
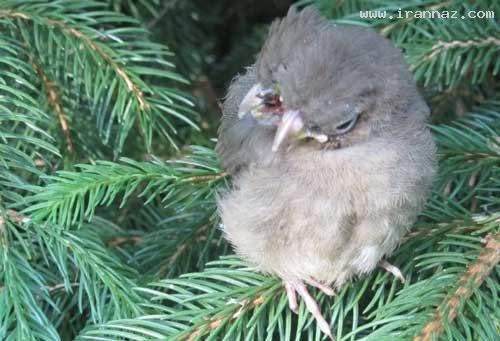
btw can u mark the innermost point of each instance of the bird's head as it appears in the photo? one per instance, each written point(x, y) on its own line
point(319, 82)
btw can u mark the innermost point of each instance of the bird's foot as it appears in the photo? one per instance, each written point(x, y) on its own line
point(325, 289)
point(294, 287)
point(393, 270)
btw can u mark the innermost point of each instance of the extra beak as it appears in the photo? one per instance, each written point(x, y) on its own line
point(251, 100)
point(291, 124)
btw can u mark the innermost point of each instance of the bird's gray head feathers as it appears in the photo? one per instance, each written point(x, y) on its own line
point(339, 80)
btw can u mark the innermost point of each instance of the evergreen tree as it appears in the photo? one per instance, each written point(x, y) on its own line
point(108, 222)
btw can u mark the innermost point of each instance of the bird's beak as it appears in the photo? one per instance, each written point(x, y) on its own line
point(251, 101)
point(291, 124)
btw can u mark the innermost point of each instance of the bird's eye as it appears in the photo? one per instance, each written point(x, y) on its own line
point(272, 101)
point(270, 98)
point(346, 126)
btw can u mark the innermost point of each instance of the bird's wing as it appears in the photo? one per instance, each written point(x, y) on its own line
point(241, 140)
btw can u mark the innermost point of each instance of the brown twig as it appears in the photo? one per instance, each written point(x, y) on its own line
point(180, 250)
point(61, 286)
point(122, 240)
point(202, 178)
point(472, 156)
point(183, 247)
point(14, 216)
point(40, 163)
point(132, 87)
point(461, 226)
point(443, 46)
point(250, 304)
point(476, 273)
point(447, 188)
point(55, 100)
point(14, 14)
point(119, 70)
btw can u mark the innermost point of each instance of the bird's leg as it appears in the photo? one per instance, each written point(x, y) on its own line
point(292, 297)
point(325, 289)
point(293, 287)
point(393, 270)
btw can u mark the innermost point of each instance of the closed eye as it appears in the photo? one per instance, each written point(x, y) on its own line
point(346, 126)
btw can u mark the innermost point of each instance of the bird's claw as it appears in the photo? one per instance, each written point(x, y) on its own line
point(325, 289)
point(393, 270)
point(294, 287)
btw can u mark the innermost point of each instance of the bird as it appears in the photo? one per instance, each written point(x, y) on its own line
point(326, 140)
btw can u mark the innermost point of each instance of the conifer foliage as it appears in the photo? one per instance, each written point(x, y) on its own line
point(108, 223)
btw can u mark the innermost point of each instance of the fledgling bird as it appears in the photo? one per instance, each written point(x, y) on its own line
point(326, 140)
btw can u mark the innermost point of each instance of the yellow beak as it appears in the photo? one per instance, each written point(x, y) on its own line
point(291, 124)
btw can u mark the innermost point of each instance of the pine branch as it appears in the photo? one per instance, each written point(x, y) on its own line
point(192, 235)
point(21, 315)
point(442, 53)
point(99, 275)
point(65, 266)
point(74, 196)
point(444, 46)
point(458, 226)
point(477, 272)
point(213, 325)
point(56, 103)
point(22, 134)
point(469, 158)
point(241, 312)
point(450, 60)
point(112, 65)
point(182, 247)
point(231, 300)
point(452, 263)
